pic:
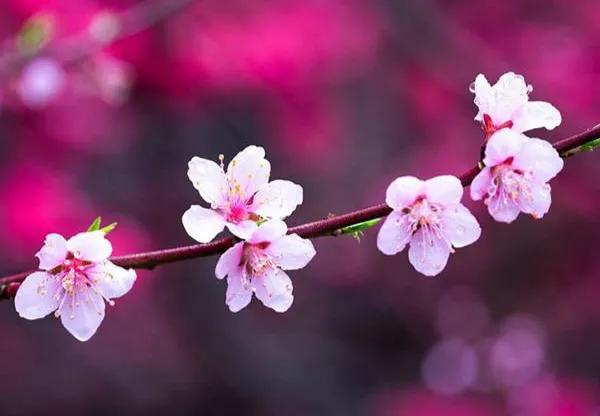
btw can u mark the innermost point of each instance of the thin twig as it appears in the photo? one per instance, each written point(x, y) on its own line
point(320, 228)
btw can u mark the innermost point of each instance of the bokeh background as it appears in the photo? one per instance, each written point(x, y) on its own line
point(102, 103)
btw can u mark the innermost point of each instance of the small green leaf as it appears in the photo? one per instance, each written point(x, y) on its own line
point(109, 228)
point(357, 230)
point(95, 225)
point(586, 147)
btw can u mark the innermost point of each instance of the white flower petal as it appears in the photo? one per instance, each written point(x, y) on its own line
point(202, 224)
point(537, 202)
point(445, 189)
point(90, 246)
point(274, 290)
point(277, 199)
point(484, 96)
point(460, 227)
point(83, 315)
point(534, 115)
point(53, 253)
point(428, 253)
point(111, 280)
point(503, 209)
point(208, 178)
point(35, 297)
point(238, 294)
point(403, 191)
point(394, 234)
point(502, 145)
point(269, 231)
point(481, 184)
point(539, 157)
point(249, 170)
point(243, 229)
point(291, 252)
point(229, 260)
point(510, 93)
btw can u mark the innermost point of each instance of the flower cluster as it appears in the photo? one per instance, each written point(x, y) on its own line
point(252, 208)
point(427, 215)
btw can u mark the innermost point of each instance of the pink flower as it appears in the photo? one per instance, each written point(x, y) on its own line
point(515, 175)
point(75, 280)
point(429, 216)
point(239, 197)
point(507, 105)
point(257, 266)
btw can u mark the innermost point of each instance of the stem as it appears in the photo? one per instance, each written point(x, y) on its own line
point(320, 228)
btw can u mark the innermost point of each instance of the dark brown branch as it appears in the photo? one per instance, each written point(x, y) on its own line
point(324, 227)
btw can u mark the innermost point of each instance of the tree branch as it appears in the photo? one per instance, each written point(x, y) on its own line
point(320, 228)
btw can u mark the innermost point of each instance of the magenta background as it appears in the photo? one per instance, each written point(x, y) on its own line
point(345, 95)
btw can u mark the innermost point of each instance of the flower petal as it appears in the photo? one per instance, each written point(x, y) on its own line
point(90, 246)
point(394, 234)
point(291, 252)
point(503, 144)
point(202, 224)
point(428, 253)
point(445, 189)
point(481, 183)
point(36, 296)
point(249, 170)
point(541, 158)
point(238, 294)
point(460, 227)
point(243, 229)
point(274, 289)
point(229, 260)
point(484, 96)
point(277, 199)
point(53, 253)
point(269, 231)
point(208, 178)
point(82, 316)
point(510, 93)
point(403, 191)
point(502, 209)
point(111, 280)
point(534, 115)
point(537, 201)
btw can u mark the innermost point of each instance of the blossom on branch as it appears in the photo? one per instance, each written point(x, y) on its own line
point(257, 266)
point(506, 105)
point(515, 176)
point(239, 197)
point(75, 280)
point(429, 217)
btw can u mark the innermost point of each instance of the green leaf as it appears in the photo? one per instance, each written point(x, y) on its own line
point(109, 228)
point(357, 230)
point(586, 147)
point(589, 146)
point(95, 225)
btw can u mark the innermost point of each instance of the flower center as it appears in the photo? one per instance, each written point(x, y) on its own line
point(426, 217)
point(237, 213)
point(75, 286)
point(256, 260)
point(509, 184)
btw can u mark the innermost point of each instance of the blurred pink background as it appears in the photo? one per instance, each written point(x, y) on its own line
point(345, 95)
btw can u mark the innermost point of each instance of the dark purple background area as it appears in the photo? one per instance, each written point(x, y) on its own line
point(345, 96)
